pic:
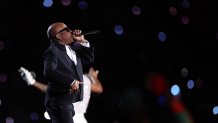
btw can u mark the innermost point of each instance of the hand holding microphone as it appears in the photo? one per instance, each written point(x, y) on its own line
point(78, 35)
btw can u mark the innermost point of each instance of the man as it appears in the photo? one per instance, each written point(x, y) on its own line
point(91, 84)
point(63, 61)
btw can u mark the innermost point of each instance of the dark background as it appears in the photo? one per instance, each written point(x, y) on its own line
point(123, 60)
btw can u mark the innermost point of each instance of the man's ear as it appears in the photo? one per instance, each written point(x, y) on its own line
point(58, 36)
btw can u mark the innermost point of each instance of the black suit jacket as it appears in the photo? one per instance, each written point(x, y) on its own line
point(60, 71)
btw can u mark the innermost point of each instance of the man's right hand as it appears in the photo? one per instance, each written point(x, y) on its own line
point(26, 76)
point(75, 86)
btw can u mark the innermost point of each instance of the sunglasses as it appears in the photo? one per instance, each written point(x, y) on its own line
point(65, 29)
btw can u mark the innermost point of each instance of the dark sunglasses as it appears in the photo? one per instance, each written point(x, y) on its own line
point(65, 29)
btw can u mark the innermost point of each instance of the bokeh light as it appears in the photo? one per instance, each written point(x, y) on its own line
point(9, 120)
point(186, 4)
point(185, 19)
point(118, 29)
point(184, 72)
point(215, 110)
point(190, 84)
point(47, 3)
point(175, 90)
point(199, 83)
point(66, 2)
point(136, 10)
point(173, 11)
point(162, 36)
point(83, 5)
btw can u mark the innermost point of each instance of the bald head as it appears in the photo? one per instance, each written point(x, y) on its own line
point(54, 28)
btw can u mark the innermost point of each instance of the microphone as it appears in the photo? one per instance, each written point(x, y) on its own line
point(90, 32)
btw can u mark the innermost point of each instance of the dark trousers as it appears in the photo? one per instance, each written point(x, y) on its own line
point(60, 113)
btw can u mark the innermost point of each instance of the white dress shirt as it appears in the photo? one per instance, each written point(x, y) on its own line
point(71, 54)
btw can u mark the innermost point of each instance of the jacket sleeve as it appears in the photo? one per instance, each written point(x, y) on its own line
point(87, 54)
point(52, 73)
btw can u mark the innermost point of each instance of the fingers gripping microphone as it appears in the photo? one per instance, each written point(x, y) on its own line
point(90, 32)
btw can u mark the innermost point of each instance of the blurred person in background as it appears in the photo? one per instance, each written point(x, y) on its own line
point(165, 106)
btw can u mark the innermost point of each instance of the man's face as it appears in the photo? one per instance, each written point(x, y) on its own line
point(63, 34)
